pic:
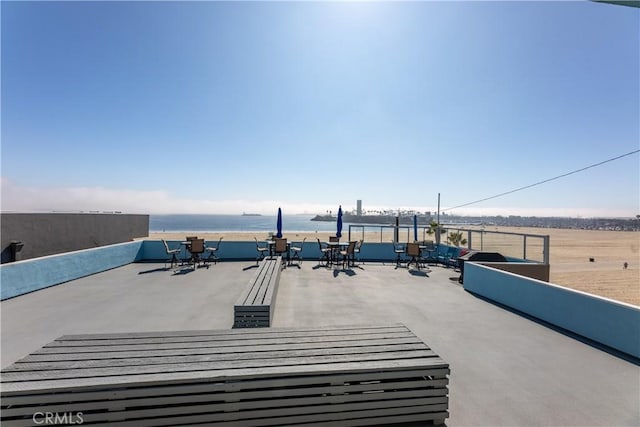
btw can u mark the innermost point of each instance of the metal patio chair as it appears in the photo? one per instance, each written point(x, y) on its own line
point(447, 256)
point(196, 249)
point(399, 250)
point(347, 254)
point(213, 252)
point(173, 252)
point(295, 252)
point(262, 250)
point(356, 252)
point(324, 253)
point(413, 251)
point(430, 248)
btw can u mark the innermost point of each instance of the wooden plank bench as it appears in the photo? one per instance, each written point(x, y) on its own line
point(254, 308)
point(337, 376)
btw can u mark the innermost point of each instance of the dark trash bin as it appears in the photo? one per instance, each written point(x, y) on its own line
point(478, 256)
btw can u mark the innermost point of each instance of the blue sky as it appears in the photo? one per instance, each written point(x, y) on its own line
point(220, 107)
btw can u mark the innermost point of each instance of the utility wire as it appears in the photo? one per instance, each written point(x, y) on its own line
point(546, 180)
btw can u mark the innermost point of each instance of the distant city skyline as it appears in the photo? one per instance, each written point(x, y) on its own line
point(231, 107)
point(106, 199)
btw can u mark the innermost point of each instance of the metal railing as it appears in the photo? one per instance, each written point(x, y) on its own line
point(525, 246)
point(387, 233)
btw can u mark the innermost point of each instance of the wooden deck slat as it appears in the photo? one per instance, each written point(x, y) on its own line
point(213, 365)
point(255, 284)
point(272, 289)
point(80, 394)
point(415, 388)
point(278, 408)
point(273, 270)
point(201, 359)
point(254, 307)
point(138, 409)
point(45, 357)
point(273, 275)
point(224, 374)
point(248, 342)
point(288, 331)
point(353, 376)
point(273, 407)
point(362, 415)
point(255, 291)
point(134, 360)
point(379, 418)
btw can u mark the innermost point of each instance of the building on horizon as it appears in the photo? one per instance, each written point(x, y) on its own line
point(359, 207)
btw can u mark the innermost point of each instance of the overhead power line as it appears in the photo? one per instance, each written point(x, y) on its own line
point(545, 181)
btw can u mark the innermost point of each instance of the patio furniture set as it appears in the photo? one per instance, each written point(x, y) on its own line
point(332, 253)
point(336, 252)
point(421, 254)
point(289, 252)
point(194, 249)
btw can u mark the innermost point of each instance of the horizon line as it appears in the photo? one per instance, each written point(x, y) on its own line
point(406, 213)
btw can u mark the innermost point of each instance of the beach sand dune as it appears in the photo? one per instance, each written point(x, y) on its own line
point(571, 252)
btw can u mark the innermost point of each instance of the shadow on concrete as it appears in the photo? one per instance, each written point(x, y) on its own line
point(154, 270)
point(349, 272)
point(183, 271)
point(418, 273)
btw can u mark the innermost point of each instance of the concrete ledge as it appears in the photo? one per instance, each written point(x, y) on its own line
point(527, 269)
point(612, 323)
point(20, 277)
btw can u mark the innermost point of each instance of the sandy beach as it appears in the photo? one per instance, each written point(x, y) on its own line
point(570, 253)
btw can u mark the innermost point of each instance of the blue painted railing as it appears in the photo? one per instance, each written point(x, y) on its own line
point(26, 276)
point(612, 323)
point(20, 277)
point(30, 275)
point(234, 251)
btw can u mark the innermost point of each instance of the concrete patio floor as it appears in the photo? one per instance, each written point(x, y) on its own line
point(506, 370)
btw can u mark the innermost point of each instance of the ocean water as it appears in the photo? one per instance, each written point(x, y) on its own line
point(227, 223)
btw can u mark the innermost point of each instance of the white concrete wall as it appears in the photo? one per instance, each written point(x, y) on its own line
point(612, 323)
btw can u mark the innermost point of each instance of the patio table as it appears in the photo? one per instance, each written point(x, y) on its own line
point(335, 250)
point(429, 250)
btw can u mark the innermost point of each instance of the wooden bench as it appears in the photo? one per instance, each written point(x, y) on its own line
point(337, 376)
point(254, 308)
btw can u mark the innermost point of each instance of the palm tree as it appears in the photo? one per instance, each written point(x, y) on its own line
point(435, 229)
point(455, 238)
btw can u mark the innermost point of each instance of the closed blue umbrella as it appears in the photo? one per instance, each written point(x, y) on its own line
point(415, 228)
point(339, 230)
point(279, 224)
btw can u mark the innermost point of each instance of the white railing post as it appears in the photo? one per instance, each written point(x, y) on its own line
point(545, 250)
